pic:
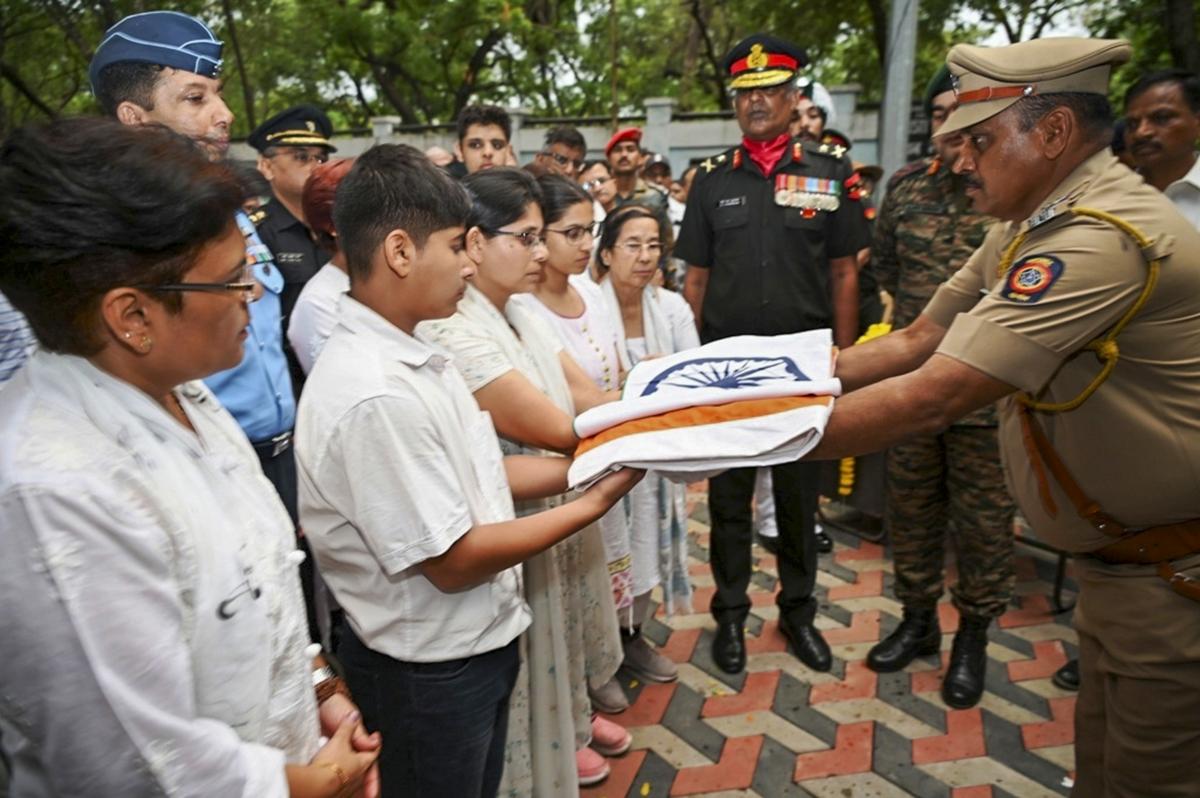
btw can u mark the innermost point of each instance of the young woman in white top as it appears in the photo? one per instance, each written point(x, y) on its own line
point(572, 304)
point(651, 321)
point(315, 313)
point(154, 631)
point(519, 372)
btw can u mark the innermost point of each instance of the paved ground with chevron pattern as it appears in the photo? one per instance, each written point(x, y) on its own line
point(782, 730)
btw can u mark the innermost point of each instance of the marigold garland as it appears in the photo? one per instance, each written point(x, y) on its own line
point(846, 467)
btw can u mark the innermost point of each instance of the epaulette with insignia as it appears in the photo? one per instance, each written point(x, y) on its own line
point(710, 164)
point(258, 217)
point(835, 151)
point(918, 167)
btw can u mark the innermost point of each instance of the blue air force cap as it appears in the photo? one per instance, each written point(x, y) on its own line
point(166, 38)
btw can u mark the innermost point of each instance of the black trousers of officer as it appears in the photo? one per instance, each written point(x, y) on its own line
point(730, 494)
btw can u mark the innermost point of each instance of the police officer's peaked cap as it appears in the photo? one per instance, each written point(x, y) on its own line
point(166, 38)
point(989, 79)
point(298, 126)
point(760, 60)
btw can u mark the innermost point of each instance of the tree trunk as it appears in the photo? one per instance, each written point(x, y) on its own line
point(9, 73)
point(477, 62)
point(710, 50)
point(247, 92)
point(1181, 34)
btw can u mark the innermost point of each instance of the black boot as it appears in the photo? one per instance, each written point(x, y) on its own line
point(963, 683)
point(917, 635)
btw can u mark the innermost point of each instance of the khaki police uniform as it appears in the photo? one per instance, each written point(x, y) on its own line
point(1023, 310)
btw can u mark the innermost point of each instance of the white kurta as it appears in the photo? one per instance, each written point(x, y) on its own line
point(153, 626)
point(656, 508)
point(591, 339)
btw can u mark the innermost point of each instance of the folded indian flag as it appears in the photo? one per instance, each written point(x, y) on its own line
point(737, 402)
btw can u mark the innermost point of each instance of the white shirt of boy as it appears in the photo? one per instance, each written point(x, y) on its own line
point(396, 462)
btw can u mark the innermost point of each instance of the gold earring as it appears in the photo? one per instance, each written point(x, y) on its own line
point(147, 344)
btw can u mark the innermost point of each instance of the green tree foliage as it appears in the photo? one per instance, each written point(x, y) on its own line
point(423, 61)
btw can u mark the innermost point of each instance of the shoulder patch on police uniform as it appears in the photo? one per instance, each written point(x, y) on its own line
point(1030, 278)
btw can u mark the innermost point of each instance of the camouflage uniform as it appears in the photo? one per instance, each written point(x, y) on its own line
point(924, 233)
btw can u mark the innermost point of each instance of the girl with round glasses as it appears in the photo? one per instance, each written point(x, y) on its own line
point(519, 372)
point(571, 304)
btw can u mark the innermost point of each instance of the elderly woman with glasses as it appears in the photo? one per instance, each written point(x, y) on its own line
point(154, 631)
point(651, 321)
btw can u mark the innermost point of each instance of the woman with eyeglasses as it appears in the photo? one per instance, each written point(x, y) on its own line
point(154, 631)
point(520, 373)
point(651, 321)
point(571, 304)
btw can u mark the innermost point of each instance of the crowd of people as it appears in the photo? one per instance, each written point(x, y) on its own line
point(284, 451)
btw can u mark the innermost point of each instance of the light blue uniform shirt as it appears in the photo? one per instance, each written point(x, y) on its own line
point(258, 391)
point(16, 339)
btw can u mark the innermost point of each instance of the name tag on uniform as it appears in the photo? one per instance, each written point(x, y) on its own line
point(807, 193)
point(731, 202)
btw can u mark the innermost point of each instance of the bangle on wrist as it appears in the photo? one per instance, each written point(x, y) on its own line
point(326, 689)
point(326, 683)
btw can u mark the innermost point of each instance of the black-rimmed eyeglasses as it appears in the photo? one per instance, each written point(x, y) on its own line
point(576, 233)
point(245, 285)
point(529, 238)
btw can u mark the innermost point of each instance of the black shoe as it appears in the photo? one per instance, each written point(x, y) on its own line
point(962, 686)
point(917, 635)
point(1067, 677)
point(810, 647)
point(769, 544)
point(729, 647)
point(824, 542)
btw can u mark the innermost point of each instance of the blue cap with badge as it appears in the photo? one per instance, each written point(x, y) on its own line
point(166, 38)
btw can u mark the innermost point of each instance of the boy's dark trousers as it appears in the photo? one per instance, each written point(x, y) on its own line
point(443, 723)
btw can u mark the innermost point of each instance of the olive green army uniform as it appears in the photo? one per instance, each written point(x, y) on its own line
point(952, 481)
point(1133, 446)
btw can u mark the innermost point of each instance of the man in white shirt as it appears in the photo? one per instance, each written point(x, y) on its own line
point(1162, 125)
point(406, 499)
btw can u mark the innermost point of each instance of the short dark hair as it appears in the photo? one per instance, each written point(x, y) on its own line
point(88, 205)
point(558, 194)
point(1092, 111)
point(567, 136)
point(500, 196)
point(610, 230)
point(1188, 82)
point(484, 115)
point(127, 80)
point(393, 187)
point(252, 180)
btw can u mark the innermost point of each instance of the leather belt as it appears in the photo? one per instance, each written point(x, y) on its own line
point(1156, 545)
point(273, 447)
